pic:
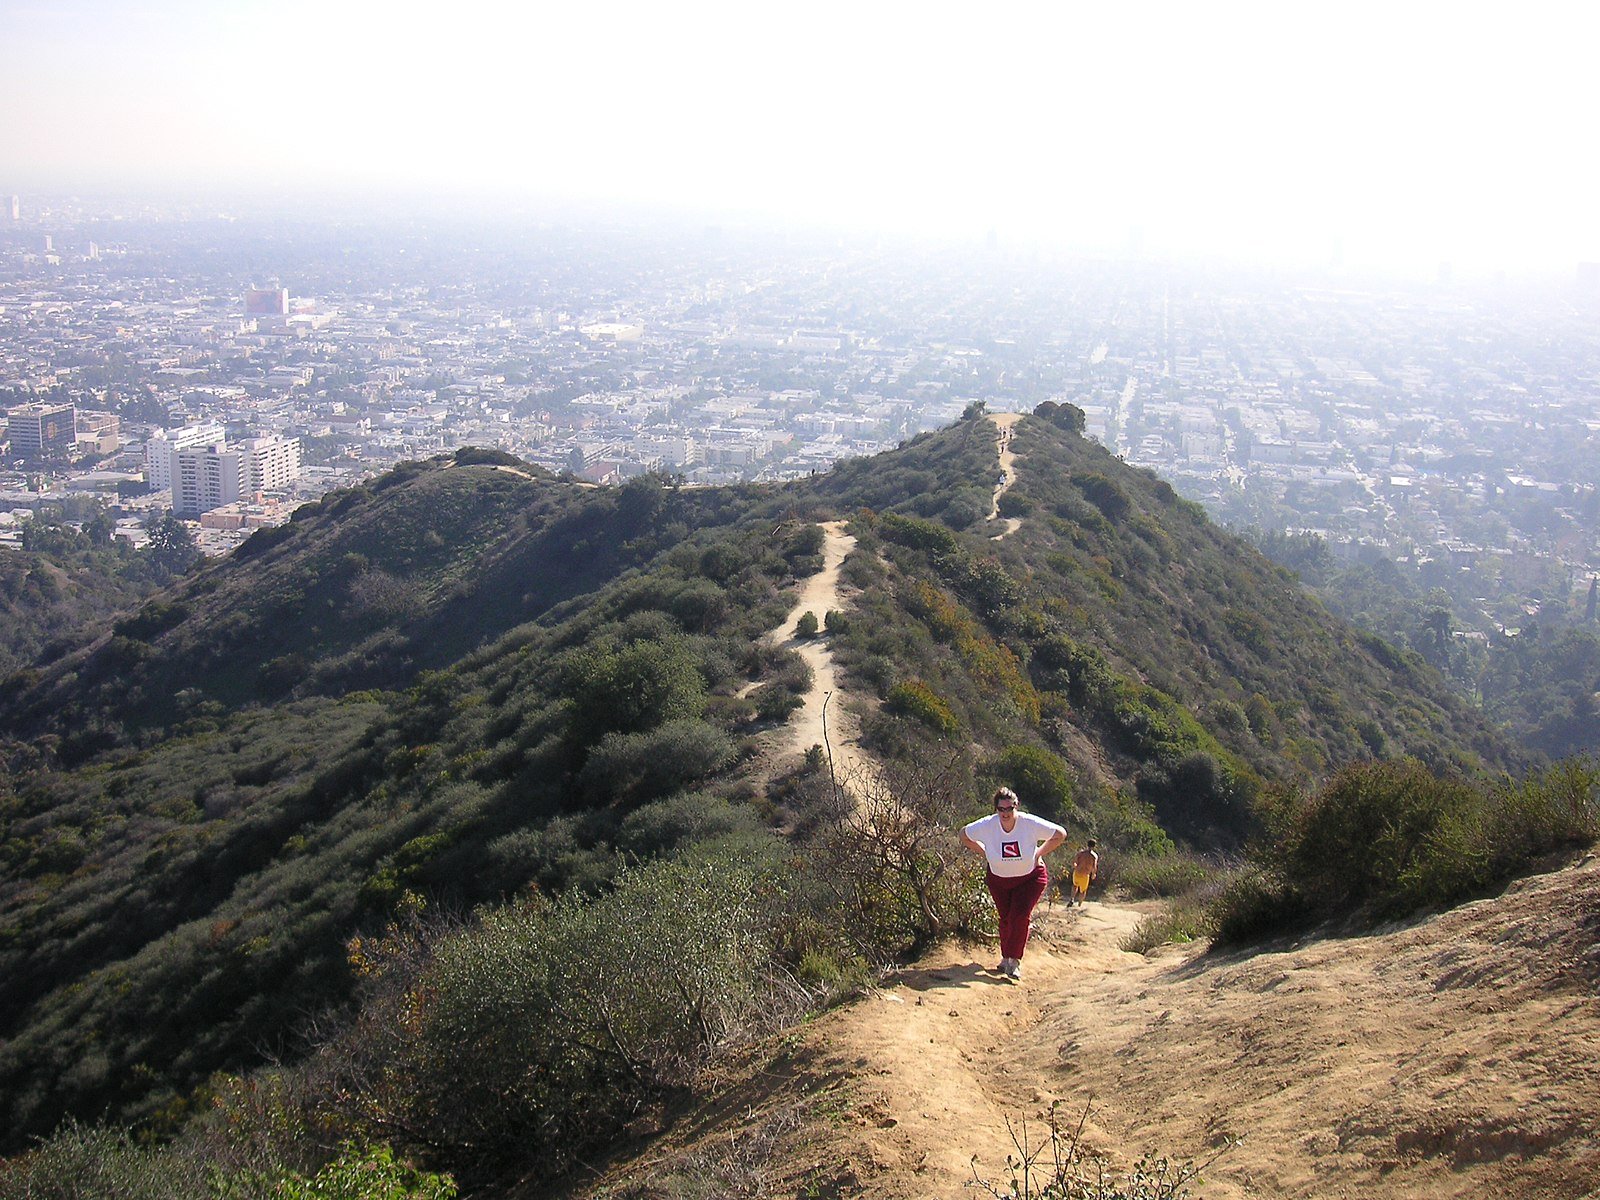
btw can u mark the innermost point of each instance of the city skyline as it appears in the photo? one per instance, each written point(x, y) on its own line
point(1358, 136)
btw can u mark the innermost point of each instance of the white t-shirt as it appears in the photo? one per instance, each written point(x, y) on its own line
point(1015, 853)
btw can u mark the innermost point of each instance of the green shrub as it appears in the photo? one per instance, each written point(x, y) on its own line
point(1150, 877)
point(834, 973)
point(1198, 797)
point(630, 767)
point(806, 542)
point(1256, 902)
point(367, 1173)
point(1387, 839)
point(1041, 780)
point(85, 1162)
point(918, 534)
point(686, 819)
point(468, 456)
point(1013, 504)
point(534, 1032)
point(1392, 833)
point(806, 626)
point(634, 688)
point(1556, 808)
point(916, 699)
point(1104, 493)
point(1177, 923)
point(775, 702)
point(1127, 825)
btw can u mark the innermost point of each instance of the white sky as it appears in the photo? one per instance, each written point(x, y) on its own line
point(1412, 132)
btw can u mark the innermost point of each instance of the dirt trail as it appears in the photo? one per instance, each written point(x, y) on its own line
point(951, 1049)
point(1453, 1057)
point(819, 594)
point(1005, 422)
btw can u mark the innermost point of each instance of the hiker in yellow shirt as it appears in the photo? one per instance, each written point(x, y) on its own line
point(1085, 866)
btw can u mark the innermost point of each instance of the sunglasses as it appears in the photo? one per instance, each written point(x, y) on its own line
point(1005, 808)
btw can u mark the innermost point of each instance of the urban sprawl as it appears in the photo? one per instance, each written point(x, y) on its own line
point(227, 368)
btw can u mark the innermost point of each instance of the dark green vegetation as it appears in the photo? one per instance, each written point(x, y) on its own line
point(364, 589)
point(1379, 840)
point(1388, 839)
point(1541, 684)
point(66, 583)
point(1121, 631)
point(251, 819)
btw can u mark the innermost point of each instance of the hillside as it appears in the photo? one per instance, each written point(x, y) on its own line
point(470, 682)
point(1444, 1058)
point(50, 600)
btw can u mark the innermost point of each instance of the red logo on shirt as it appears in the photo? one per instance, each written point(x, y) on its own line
point(1010, 849)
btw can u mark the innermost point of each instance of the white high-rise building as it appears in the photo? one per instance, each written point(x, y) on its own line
point(271, 462)
point(160, 449)
point(205, 477)
point(207, 474)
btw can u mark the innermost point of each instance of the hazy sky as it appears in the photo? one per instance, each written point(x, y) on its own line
point(1411, 131)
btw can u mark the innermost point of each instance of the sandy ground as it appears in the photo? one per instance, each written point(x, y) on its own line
point(818, 594)
point(1451, 1058)
point(1005, 422)
point(1455, 1057)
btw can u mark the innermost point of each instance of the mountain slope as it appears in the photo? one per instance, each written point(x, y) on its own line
point(1126, 632)
point(468, 680)
point(364, 589)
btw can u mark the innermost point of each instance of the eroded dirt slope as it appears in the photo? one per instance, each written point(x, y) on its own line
point(1458, 1056)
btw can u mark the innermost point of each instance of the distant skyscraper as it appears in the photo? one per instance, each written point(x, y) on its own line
point(16, 208)
point(47, 243)
point(266, 302)
point(40, 431)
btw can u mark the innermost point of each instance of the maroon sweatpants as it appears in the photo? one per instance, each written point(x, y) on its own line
point(1014, 899)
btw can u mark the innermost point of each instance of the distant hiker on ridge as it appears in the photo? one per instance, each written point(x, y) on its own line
point(1085, 866)
point(1011, 842)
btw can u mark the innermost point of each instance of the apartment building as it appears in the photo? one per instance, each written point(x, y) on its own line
point(39, 431)
point(162, 448)
point(208, 477)
point(271, 462)
point(205, 477)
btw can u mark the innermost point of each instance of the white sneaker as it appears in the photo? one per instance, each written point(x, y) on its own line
point(1016, 968)
point(1005, 966)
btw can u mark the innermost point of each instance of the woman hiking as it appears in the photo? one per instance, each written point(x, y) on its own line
point(1014, 843)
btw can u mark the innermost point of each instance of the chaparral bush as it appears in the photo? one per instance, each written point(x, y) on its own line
point(535, 1030)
